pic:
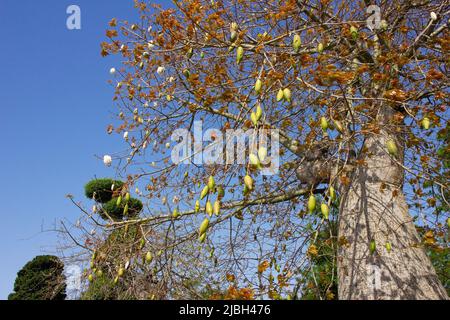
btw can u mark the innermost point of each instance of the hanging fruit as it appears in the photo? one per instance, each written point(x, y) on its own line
point(320, 47)
point(203, 227)
point(202, 238)
point(324, 123)
point(287, 94)
point(253, 118)
point(311, 203)
point(372, 247)
point(258, 112)
point(204, 192)
point(209, 208)
point(392, 147)
point(175, 213)
point(338, 126)
point(332, 193)
point(262, 153)
point(148, 257)
point(426, 123)
point(296, 43)
point(388, 247)
point(211, 183)
point(354, 32)
point(239, 54)
point(258, 86)
point(248, 181)
point(216, 207)
point(197, 206)
point(280, 95)
point(325, 210)
point(254, 160)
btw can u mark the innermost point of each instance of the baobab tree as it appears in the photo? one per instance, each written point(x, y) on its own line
point(357, 95)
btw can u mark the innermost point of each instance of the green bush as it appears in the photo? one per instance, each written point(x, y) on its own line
point(116, 212)
point(40, 279)
point(102, 189)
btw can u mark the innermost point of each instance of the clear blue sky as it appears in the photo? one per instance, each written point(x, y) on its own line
point(55, 105)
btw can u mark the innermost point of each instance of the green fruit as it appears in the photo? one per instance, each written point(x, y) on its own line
point(211, 183)
point(354, 32)
point(325, 210)
point(296, 43)
point(426, 123)
point(311, 203)
point(287, 94)
point(233, 36)
point(253, 118)
point(197, 206)
point(119, 201)
point(324, 123)
point(332, 193)
point(202, 238)
point(392, 147)
point(99, 273)
point(239, 54)
point(190, 53)
point(448, 222)
point(280, 95)
point(388, 247)
point(203, 227)
point(175, 213)
point(186, 73)
point(262, 153)
point(372, 246)
point(248, 181)
point(258, 112)
point(91, 278)
point(209, 208)
point(258, 86)
point(125, 210)
point(148, 257)
point(254, 160)
point(216, 207)
point(121, 272)
point(204, 192)
point(320, 47)
point(127, 197)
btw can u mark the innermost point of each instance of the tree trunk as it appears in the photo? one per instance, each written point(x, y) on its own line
point(374, 210)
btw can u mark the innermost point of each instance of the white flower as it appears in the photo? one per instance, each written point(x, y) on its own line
point(150, 45)
point(176, 199)
point(164, 200)
point(155, 104)
point(149, 29)
point(125, 135)
point(171, 79)
point(107, 160)
point(168, 145)
point(153, 164)
point(433, 16)
point(160, 70)
point(112, 70)
point(122, 47)
point(94, 208)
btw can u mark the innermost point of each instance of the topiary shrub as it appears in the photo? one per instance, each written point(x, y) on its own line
point(117, 212)
point(102, 189)
point(40, 279)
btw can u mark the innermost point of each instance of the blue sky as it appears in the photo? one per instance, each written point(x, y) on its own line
point(55, 106)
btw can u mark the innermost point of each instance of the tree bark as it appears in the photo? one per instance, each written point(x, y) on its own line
point(374, 209)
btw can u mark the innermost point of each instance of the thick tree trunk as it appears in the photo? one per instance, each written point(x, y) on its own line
point(374, 209)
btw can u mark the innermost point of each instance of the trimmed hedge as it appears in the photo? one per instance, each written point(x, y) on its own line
point(102, 189)
point(40, 279)
point(116, 212)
